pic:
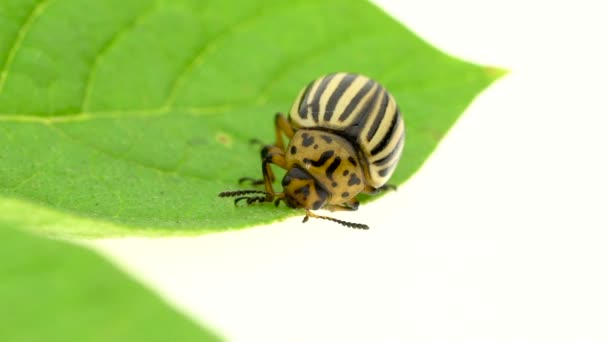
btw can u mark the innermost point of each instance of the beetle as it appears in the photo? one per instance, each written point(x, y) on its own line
point(346, 136)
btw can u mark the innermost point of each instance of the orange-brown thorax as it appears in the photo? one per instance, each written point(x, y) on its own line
point(332, 163)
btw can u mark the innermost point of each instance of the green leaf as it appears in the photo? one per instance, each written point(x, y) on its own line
point(55, 291)
point(137, 113)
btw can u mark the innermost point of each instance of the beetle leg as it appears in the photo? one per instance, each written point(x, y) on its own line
point(350, 205)
point(273, 156)
point(265, 152)
point(374, 191)
point(282, 126)
point(268, 152)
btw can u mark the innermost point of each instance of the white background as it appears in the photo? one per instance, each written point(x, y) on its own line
point(501, 236)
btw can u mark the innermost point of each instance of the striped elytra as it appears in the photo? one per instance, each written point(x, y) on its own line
point(360, 110)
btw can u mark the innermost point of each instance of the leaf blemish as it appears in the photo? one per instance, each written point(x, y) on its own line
point(223, 139)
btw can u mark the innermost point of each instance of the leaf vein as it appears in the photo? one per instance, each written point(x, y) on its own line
point(123, 31)
point(19, 38)
point(130, 113)
point(208, 47)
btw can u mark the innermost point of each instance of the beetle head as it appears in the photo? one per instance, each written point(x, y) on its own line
point(302, 190)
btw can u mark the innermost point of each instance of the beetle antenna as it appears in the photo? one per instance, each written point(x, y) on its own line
point(344, 223)
point(235, 193)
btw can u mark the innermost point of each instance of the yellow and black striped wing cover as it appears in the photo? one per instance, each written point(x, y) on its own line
point(359, 109)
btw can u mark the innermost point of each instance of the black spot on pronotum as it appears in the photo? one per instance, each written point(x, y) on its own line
point(307, 140)
point(326, 138)
point(354, 180)
point(316, 146)
point(329, 172)
point(352, 161)
point(324, 157)
point(293, 150)
point(345, 173)
point(345, 194)
point(334, 184)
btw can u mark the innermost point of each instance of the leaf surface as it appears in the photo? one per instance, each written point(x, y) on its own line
point(130, 116)
point(55, 291)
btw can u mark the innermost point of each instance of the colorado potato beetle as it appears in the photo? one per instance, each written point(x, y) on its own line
point(346, 135)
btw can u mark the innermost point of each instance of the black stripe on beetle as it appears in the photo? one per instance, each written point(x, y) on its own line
point(346, 82)
point(317, 98)
point(303, 105)
point(356, 99)
point(386, 159)
point(389, 134)
point(379, 116)
point(365, 112)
